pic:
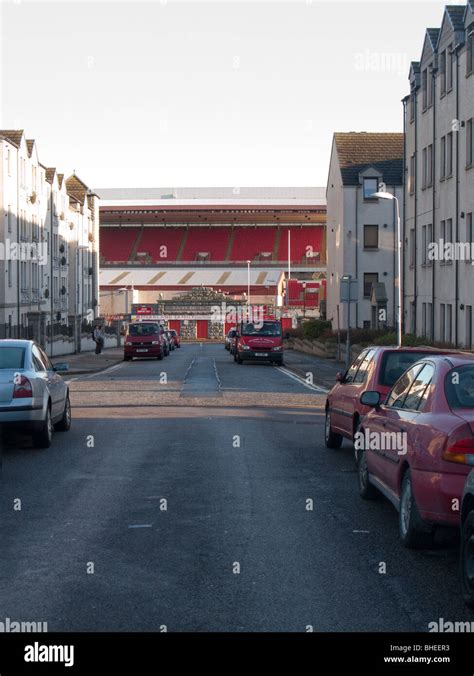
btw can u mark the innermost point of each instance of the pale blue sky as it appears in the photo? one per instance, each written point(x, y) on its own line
point(205, 93)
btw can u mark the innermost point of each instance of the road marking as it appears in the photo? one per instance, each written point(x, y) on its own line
point(361, 531)
point(302, 381)
point(141, 525)
point(97, 373)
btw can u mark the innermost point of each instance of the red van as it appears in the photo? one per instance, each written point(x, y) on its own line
point(144, 339)
point(259, 341)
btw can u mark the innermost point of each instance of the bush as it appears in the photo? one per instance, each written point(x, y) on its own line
point(315, 328)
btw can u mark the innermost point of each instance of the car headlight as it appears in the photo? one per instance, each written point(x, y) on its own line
point(128, 343)
point(276, 349)
point(245, 347)
point(155, 342)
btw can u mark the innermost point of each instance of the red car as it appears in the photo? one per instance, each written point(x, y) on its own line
point(418, 447)
point(259, 341)
point(144, 339)
point(376, 368)
point(176, 338)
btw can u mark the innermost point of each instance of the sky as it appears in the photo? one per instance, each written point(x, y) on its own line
point(171, 93)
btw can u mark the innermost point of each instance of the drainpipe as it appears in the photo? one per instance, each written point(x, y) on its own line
point(394, 258)
point(51, 283)
point(18, 263)
point(433, 177)
point(456, 261)
point(404, 182)
point(415, 221)
point(357, 254)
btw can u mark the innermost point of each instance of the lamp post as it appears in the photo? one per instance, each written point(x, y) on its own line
point(248, 289)
point(384, 195)
point(304, 300)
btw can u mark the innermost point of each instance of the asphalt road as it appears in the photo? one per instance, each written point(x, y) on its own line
point(179, 499)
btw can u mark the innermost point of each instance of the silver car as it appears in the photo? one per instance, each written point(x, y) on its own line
point(33, 396)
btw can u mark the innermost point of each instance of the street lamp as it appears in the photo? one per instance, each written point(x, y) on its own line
point(382, 194)
point(248, 286)
point(304, 300)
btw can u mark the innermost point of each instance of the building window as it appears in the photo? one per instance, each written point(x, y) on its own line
point(470, 50)
point(470, 142)
point(442, 73)
point(449, 154)
point(412, 106)
point(469, 234)
point(9, 162)
point(424, 88)
point(371, 185)
point(442, 159)
point(411, 176)
point(424, 246)
point(442, 237)
point(9, 218)
point(429, 170)
point(429, 240)
point(424, 169)
point(449, 68)
point(468, 339)
point(371, 236)
point(449, 315)
point(423, 320)
point(442, 322)
point(449, 235)
point(412, 247)
point(369, 279)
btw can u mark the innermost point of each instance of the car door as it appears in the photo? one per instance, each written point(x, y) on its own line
point(338, 396)
point(354, 388)
point(403, 423)
point(56, 385)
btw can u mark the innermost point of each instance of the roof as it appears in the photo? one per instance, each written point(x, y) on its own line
point(30, 145)
point(433, 34)
point(379, 294)
point(77, 188)
point(213, 195)
point(60, 179)
point(50, 172)
point(358, 151)
point(12, 135)
point(456, 16)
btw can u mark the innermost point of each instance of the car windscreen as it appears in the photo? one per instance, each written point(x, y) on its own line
point(394, 365)
point(12, 357)
point(142, 329)
point(261, 329)
point(231, 333)
point(459, 386)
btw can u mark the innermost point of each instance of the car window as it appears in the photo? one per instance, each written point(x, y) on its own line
point(402, 387)
point(39, 362)
point(12, 357)
point(361, 375)
point(142, 329)
point(419, 390)
point(45, 359)
point(395, 363)
point(352, 370)
point(459, 387)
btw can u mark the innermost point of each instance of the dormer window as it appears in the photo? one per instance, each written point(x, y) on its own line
point(371, 186)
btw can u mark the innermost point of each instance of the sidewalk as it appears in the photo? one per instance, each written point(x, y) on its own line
point(89, 362)
point(323, 370)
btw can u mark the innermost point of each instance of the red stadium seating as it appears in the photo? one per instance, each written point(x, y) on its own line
point(116, 243)
point(249, 242)
point(154, 238)
point(214, 241)
point(301, 238)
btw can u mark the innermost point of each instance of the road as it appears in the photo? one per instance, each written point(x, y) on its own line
point(180, 500)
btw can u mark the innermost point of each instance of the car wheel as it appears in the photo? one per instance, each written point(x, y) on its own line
point(366, 490)
point(42, 438)
point(127, 359)
point(467, 559)
point(414, 533)
point(65, 423)
point(160, 356)
point(331, 439)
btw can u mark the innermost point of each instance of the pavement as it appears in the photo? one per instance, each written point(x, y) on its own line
point(197, 494)
point(89, 362)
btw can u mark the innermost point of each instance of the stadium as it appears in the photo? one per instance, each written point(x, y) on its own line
point(187, 249)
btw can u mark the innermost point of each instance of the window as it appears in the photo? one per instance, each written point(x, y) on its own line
point(12, 357)
point(442, 158)
point(9, 218)
point(424, 169)
point(429, 318)
point(9, 162)
point(361, 375)
point(429, 170)
point(423, 320)
point(449, 321)
point(429, 240)
point(371, 236)
point(424, 88)
point(442, 322)
point(470, 142)
point(411, 175)
point(449, 68)
point(420, 389)
point(371, 185)
point(449, 154)
point(45, 359)
point(402, 386)
point(449, 236)
point(469, 237)
point(424, 246)
point(460, 390)
point(369, 279)
point(442, 73)
point(352, 370)
point(412, 106)
point(470, 50)
point(442, 237)
point(468, 339)
point(412, 247)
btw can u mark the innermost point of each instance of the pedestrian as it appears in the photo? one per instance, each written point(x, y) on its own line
point(99, 339)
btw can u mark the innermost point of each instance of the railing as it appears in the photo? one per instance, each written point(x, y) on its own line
point(213, 263)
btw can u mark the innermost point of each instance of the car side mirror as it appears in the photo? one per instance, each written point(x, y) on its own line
point(370, 399)
point(61, 367)
point(339, 377)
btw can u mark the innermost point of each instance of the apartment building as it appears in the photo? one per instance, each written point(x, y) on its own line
point(361, 230)
point(439, 186)
point(49, 229)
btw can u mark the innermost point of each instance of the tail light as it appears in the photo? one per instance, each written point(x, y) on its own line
point(460, 450)
point(23, 389)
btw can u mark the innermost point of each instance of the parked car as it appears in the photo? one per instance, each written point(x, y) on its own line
point(170, 340)
point(33, 395)
point(229, 339)
point(418, 446)
point(166, 342)
point(144, 339)
point(376, 368)
point(467, 541)
point(176, 338)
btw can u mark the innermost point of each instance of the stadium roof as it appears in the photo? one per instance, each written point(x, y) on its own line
point(212, 196)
